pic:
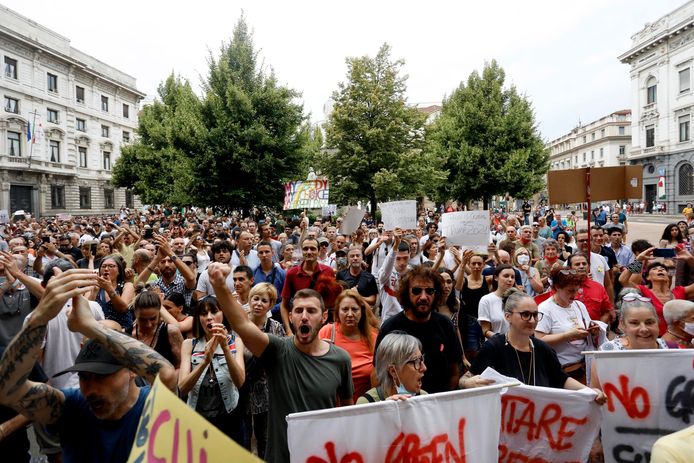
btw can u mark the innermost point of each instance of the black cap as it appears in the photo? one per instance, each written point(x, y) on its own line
point(94, 358)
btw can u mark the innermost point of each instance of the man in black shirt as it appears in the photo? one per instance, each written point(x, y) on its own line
point(421, 289)
point(355, 275)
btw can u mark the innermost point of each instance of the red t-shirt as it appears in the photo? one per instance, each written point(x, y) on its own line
point(595, 298)
point(297, 279)
point(678, 292)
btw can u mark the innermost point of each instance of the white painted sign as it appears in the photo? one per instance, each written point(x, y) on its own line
point(401, 214)
point(469, 229)
point(351, 220)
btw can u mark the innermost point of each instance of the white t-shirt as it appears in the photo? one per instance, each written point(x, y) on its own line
point(491, 310)
point(557, 319)
point(598, 267)
point(205, 286)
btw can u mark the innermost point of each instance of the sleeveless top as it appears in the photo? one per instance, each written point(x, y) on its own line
point(125, 320)
point(162, 345)
point(470, 298)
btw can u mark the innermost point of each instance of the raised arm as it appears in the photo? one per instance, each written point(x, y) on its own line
point(252, 336)
point(33, 285)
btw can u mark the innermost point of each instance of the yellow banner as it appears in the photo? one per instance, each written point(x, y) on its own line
point(170, 431)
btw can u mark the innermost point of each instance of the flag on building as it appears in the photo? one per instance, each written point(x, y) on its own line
point(28, 132)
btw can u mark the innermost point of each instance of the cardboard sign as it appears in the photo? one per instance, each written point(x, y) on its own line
point(171, 431)
point(401, 214)
point(469, 229)
point(351, 220)
point(459, 426)
point(306, 194)
point(649, 395)
point(606, 183)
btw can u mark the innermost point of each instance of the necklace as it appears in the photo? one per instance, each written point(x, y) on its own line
point(520, 366)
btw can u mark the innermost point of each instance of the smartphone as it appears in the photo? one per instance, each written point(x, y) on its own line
point(664, 252)
point(46, 239)
point(92, 248)
point(148, 233)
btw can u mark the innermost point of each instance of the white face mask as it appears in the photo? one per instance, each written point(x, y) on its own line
point(689, 328)
point(523, 259)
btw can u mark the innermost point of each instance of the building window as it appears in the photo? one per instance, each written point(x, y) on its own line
point(592, 155)
point(82, 150)
point(55, 151)
point(126, 111)
point(53, 116)
point(104, 131)
point(576, 159)
point(85, 197)
point(686, 179)
point(126, 136)
point(651, 91)
point(622, 130)
point(584, 157)
point(57, 197)
point(10, 67)
point(650, 136)
point(107, 160)
point(104, 103)
point(13, 144)
point(602, 133)
point(622, 149)
point(684, 128)
point(129, 199)
point(79, 94)
point(684, 80)
point(601, 153)
point(108, 199)
point(592, 136)
point(81, 125)
point(52, 83)
point(584, 138)
point(11, 105)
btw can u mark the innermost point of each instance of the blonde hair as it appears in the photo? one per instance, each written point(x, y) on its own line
point(264, 289)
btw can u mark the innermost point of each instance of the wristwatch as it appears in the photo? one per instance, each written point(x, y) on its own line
point(174, 257)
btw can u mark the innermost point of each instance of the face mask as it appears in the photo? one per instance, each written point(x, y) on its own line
point(689, 328)
point(523, 259)
point(400, 388)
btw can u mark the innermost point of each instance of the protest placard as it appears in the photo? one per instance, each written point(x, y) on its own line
point(469, 229)
point(650, 393)
point(401, 214)
point(329, 210)
point(170, 431)
point(351, 220)
point(4, 216)
point(306, 194)
point(459, 426)
point(64, 217)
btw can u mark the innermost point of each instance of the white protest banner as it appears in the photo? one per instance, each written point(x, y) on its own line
point(329, 210)
point(454, 427)
point(650, 393)
point(469, 229)
point(64, 217)
point(351, 220)
point(306, 194)
point(401, 214)
point(543, 425)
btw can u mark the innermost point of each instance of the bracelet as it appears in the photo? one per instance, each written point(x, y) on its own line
point(635, 267)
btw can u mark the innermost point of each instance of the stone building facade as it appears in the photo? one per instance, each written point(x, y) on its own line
point(661, 61)
point(64, 118)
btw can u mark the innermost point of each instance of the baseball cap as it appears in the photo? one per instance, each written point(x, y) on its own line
point(94, 358)
point(322, 239)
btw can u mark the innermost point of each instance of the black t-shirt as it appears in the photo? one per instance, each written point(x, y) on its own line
point(440, 346)
point(609, 254)
point(496, 353)
point(365, 282)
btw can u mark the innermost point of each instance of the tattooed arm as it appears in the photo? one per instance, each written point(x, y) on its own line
point(37, 401)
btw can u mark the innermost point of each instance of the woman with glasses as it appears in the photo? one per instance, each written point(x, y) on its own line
point(658, 279)
point(491, 312)
point(213, 369)
point(566, 324)
point(113, 293)
point(399, 368)
point(518, 355)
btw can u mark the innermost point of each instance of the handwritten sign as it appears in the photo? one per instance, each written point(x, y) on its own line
point(650, 393)
point(4, 216)
point(446, 427)
point(306, 194)
point(351, 221)
point(469, 229)
point(401, 214)
point(170, 431)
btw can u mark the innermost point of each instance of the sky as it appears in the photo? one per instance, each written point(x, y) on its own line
point(562, 55)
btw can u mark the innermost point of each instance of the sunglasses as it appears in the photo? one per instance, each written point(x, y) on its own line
point(631, 297)
point(526, 315)
point(416, 362)
point(417, 291)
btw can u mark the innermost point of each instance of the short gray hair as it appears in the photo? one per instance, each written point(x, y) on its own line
point(550, 242)
point(677, 310)
point(512, 297)
point(395, 349)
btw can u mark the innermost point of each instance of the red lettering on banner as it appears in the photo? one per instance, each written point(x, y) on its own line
point(519, 412)
point(351, 457)
point(507, 456)
point(628, 399)
point(407, 448)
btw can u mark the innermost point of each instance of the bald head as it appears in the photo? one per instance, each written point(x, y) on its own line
point(504, 257)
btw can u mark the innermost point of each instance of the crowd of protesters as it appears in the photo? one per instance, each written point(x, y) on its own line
point(251, 319)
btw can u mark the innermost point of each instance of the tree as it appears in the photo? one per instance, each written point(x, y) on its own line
point(244, 134)
point(488, 138)
point(374, 138)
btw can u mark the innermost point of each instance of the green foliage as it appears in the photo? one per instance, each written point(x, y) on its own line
point(487, 136)
point(232, 148)
point(374, 138)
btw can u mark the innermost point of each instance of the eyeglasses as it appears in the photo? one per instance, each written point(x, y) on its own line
point(526, 315)
point(416, 362)
point(417, 291)
point(631, 297)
